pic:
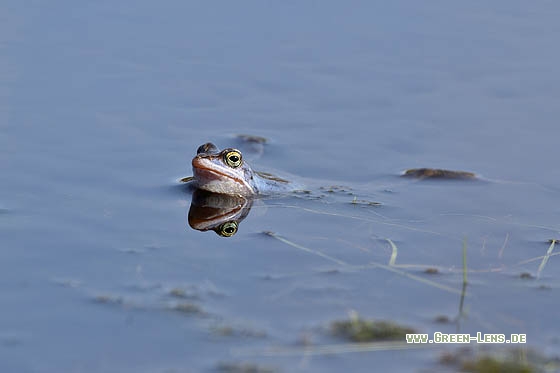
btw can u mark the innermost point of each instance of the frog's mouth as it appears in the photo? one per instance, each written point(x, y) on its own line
point(206, 174)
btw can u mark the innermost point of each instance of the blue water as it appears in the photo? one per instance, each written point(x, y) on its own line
point(103, 104)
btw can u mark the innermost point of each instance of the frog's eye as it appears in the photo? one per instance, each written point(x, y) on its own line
point(227, 229)
point(233, 158)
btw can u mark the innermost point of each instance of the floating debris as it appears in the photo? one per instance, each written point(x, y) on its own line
point(511, 360)
point(179, 293)
point(546, 257)
point(252, 139)
point(188, 308)
point(434, 173)
point(330, 271)
point(269, 176)
point(183, 294)
point(243, 367)
point(442, 319)
point(337, 189)
point(526, 276)
point(359, 330)
point(431, 271)
point(490, 364)
point(108, 299)
point(237, 331)
point(364, 202)
point(225, 331)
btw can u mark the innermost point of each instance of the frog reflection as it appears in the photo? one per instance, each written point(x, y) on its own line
point(221, 213)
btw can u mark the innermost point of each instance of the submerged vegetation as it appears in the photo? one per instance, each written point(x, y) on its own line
point(488, 364)
point(188, 308)
point(183, 293)
point(515, 360)
point(228, 330)
point(108, 299)
point(364, 202)
point(357, 329)
point(243, 367)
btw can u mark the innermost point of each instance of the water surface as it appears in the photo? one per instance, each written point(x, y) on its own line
point(103, 105)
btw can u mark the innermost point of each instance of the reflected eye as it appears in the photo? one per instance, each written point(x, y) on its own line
point(227, 229)
point(233, 158)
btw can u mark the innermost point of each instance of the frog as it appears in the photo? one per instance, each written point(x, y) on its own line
point(226, 172)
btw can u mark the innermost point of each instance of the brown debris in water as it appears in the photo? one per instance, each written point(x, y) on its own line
point(108, 299)
point(357, 329)
point(442, 319)
point(252, 138)
point(435, 173)
point(514, 360)
point(188, 308)
point(364, 202)
point(269, 176)
point(243, 367)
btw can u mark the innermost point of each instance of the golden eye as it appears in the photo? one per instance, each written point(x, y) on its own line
point(233, 158)
point(227, 229)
